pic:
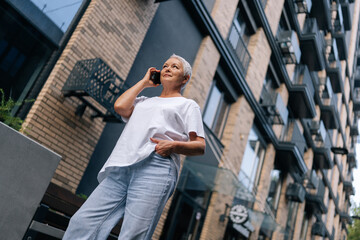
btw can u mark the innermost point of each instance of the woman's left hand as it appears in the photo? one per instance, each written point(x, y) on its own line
point(163, 147)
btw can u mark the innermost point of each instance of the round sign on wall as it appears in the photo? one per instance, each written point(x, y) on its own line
point(238, 214)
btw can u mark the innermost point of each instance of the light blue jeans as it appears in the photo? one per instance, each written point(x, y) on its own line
point(138, 193)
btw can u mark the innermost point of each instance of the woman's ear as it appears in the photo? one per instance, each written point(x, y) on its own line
point(186, 78)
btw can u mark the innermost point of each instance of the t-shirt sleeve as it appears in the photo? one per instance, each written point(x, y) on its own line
point(137, 100)
point(193, 121)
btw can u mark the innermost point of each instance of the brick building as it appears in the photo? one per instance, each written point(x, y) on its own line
point(277, 82)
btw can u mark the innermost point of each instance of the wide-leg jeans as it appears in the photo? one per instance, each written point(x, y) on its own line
point(138, 193)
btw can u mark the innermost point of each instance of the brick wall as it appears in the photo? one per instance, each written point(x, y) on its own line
point(111, 30)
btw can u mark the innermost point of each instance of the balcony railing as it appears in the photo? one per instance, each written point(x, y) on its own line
point(321, 11)
point(274, 107)
point(351, 157)
point(312, 44)
point(97, 86)
point(239, 48)
point(293, 135)
point(315, 198)
point(345, 8)
point(334, 71)
point(289, 45)
point(338, 31)
point(301, 96)
point(328, 106)
point(356, 99)
point(357, 75)
point(318, 138)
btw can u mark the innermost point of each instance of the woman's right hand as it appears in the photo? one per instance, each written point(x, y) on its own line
point(146, 80)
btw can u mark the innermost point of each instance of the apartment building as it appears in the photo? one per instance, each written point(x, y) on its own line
point(278, 85)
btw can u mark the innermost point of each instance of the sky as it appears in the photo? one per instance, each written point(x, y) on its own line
point(60, 12)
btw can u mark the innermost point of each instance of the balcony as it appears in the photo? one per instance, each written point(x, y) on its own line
point(338, 32)
point(274, 107)
point(345, 8)
point(321, 11)
point(315, 199)
point(239, 49)
point(290, 150)
point(313, 179)
point(318, 229)
point(340, 168)
point(356, 99)
point(328, 107)
point(311, 44)
point(302, 6)
point(333, 68)
point(351, 158)
point(349, 188)
point(301, 93)
point(319, 140)
point(354, 128)
point(97, 86)
point(345, 217)
point(289, 45)
point(357, 75)
point(295, 192)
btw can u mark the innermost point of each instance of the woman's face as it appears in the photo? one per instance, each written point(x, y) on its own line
point(172, 73)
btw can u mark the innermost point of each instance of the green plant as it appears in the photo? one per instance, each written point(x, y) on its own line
point(5, 112)
point(81, 195)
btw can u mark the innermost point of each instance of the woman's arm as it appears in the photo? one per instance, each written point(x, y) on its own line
point(196, 146)
point(124, 105)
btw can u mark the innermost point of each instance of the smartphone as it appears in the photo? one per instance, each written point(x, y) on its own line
point(155, 77)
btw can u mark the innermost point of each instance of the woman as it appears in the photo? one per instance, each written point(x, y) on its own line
point(141, 172)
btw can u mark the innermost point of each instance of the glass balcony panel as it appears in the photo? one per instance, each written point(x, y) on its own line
point(312, 43)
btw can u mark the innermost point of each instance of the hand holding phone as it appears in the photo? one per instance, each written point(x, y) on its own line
point(155, 77)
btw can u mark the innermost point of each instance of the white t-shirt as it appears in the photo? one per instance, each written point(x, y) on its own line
point(161, 118)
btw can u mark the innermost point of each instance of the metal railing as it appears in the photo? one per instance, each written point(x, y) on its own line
point(294, 135)
point(302, 77)
point(239, 47)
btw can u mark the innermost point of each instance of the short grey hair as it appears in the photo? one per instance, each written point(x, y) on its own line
point(186, 65)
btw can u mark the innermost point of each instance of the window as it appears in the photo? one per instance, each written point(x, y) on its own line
point(238, 39)
point(304, 226)
point(290, 224)
point(275, 190)
point(252, 161)
point(216, 110)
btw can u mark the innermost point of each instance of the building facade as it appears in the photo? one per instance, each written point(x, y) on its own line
point(278, 85)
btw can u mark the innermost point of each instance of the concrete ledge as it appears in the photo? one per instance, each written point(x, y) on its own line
point(26, 170)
